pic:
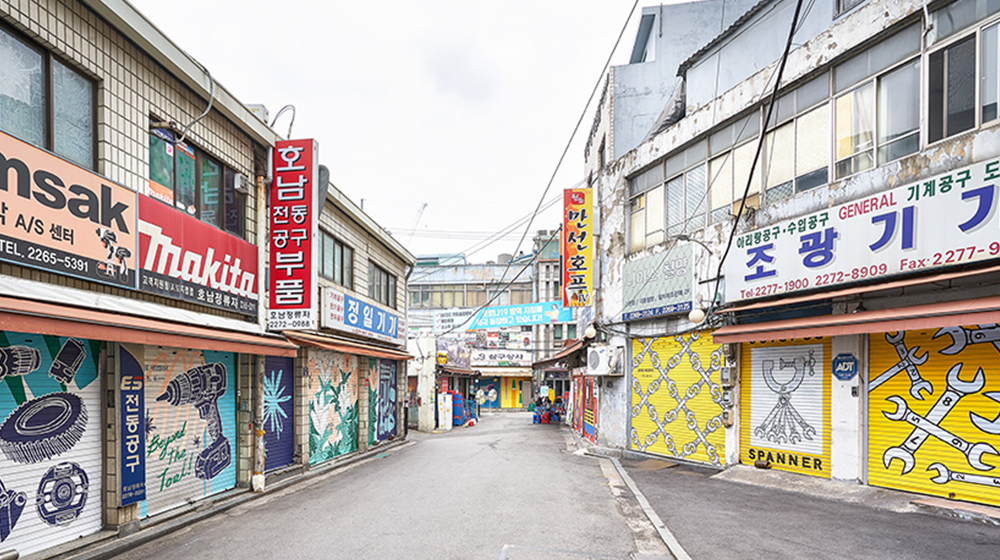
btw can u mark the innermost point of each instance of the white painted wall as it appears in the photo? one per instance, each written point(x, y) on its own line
point(845, 412)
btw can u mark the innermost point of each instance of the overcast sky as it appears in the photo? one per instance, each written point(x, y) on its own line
point(463, 105)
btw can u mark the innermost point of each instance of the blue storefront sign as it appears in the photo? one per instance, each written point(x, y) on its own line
point(521, 315)
point(343, 312)
point(845, 367)
point(132, 418)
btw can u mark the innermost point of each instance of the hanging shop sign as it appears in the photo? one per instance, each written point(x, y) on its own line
point(61, 218)
point(293, 225)
point(658, 284)
point(457, 350)
point(947, 220)
point(521, 315)
point(345, 313)
point(578, 247)
point(132, 429)
point(497, 357)
point(184, 258)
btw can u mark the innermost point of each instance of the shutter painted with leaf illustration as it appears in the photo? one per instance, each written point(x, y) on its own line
point(333, 404)
point(190, 402)
point(50, 441)
point(785, 405)
point(948, 382)
point(676, 409)
point(279, 432)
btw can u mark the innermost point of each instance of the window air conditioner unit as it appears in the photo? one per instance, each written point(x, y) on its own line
point(241, 184)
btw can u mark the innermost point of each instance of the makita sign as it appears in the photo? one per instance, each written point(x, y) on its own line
point(184, 258)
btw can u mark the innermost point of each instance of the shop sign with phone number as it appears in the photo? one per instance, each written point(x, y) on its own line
point(942, 221)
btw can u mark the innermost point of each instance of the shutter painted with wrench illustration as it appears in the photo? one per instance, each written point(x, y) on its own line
point(785, 405)
point(934, 412)
point(190, 402)
point(51, 470)
point(676, 399)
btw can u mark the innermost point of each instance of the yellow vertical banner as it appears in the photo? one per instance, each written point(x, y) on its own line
point(577, 247)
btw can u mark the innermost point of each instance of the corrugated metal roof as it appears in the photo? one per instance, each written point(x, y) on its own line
point(754, 10)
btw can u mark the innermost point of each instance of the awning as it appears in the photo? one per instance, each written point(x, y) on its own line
point(565, 353)
point(505, 372)
point(345, 346)
point(928, 316)
point(855, 290)
point(58, 320)
point(461, 372)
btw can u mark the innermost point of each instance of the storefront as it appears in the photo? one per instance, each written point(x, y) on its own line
point(677, 405)
point(504, 387)
point(586, 391)
point(279, 413)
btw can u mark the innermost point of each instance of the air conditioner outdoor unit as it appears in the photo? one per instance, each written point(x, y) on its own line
point(605, 360)
point(597, 360)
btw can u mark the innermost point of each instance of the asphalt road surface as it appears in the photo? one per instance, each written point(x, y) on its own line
point(504, 489)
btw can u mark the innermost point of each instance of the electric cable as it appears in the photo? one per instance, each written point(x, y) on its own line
point(576, 129)
point(773, 98)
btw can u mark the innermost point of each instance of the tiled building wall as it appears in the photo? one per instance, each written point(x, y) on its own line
point(131, 91)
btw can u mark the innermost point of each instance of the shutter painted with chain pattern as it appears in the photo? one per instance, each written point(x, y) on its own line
point(50, 438)
point(676, 399)
point(785, 405)
point(954, 451)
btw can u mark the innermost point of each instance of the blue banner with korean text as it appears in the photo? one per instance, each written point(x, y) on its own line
point(132, 417)
point(522, 315)
point(343, 312)
point(943, 221)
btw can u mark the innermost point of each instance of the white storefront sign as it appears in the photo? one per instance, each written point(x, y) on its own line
point(942, 221)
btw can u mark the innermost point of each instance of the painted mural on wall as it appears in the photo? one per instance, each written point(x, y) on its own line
point(934, 412)
point(50, 440)
point(279, 436)
point(190, 402)
point(386, 412)
point(785, 421)
point(333, 404)
point(676, 399)
point(488, 393)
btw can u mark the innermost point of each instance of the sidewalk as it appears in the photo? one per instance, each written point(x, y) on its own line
point(744, 511)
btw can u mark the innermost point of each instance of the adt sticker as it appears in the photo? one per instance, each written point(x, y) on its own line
point(845, 367)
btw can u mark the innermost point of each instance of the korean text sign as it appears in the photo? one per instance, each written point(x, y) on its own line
point(942, 221)
point(132, 429)
point(294, 220)
point(521, 315)
point(185, 258)
point(658, 284)
point(578, 247)
point(59, 217)
point(346, 313)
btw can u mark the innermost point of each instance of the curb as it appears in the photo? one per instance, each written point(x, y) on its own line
point(115, 544)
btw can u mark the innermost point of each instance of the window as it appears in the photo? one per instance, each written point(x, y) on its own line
point(557, 332)
point(382, 287)
point(796, 154)
point(336, 261)
point(194, 182)
point(571, 332)
point(44, 102)
point(729, 170)
point(660, 210)
point(845, 5)
point(951, 97)
point(877, 116)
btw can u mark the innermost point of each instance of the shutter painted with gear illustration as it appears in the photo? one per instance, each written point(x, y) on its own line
point(190, 402)
point(785, 405)
point(279, 431)
point(934, 412)
point(50, 441)
point(676, 399)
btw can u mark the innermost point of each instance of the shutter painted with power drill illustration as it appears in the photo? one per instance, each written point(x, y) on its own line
point(279, 433)
point(190, 424)
point(50, 441)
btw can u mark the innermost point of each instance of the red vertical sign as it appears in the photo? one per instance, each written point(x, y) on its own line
point(293, 219)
